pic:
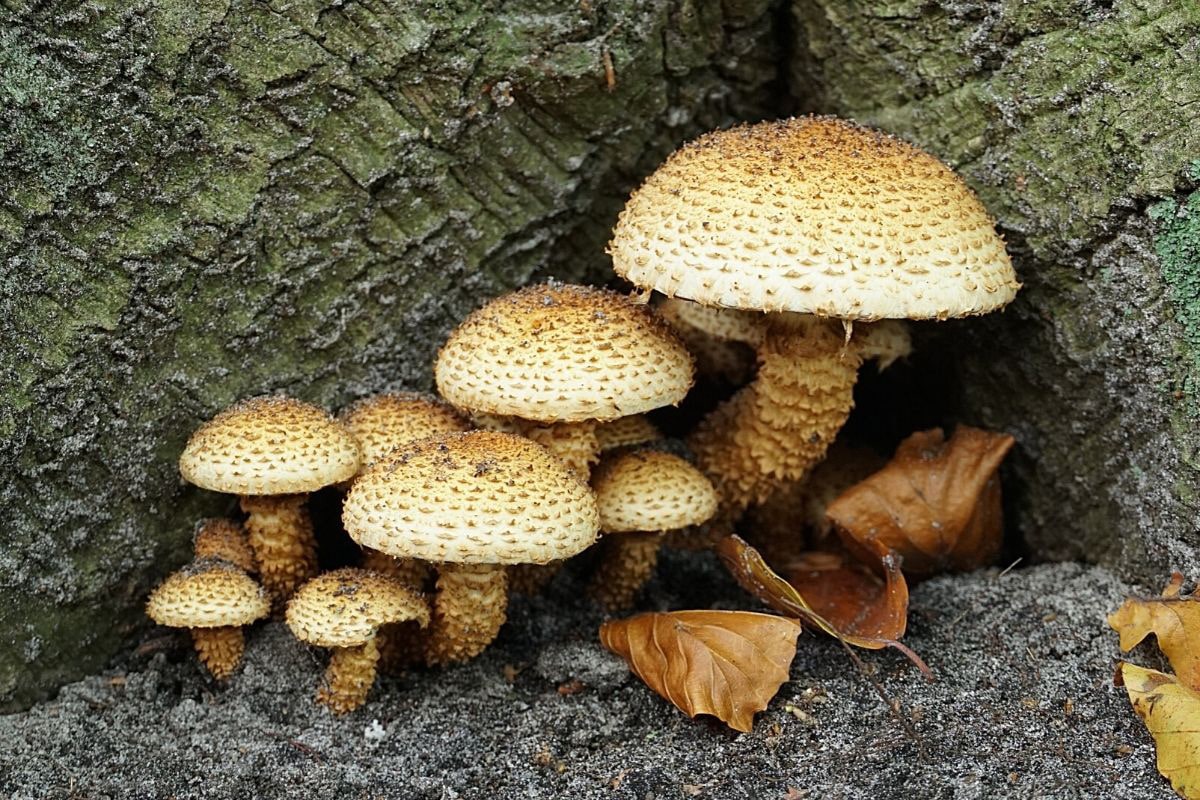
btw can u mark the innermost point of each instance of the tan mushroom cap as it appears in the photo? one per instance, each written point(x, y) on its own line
point(648, 491)
point(270, 445)
point(626, 432)
point(562, 353)
point(208, 593)
point(816, 215)
point(387, 421)
point(727, 324)
point(472, 498)
point(345, 607)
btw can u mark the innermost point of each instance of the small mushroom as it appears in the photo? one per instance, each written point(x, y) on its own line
point(641, 495)
point(722, 340)
point(343, 610)
point(273, 451)
point(471, 503)
point(224, 539)
point(824, 219)
point(213, 599)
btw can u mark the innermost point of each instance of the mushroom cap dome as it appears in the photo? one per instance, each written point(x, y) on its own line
point(563, 353)
point(648, 491)
point(345, 607)
point(270, 445)
point(208, 593)
point(472, 498)
point(386, 421)
point(816, 215)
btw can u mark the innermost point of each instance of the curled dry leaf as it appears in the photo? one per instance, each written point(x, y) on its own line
point(753, 574)
point(936, 504)
point(725, 663)
point(1171, 712)
point(1174, 619)
point(851, 596)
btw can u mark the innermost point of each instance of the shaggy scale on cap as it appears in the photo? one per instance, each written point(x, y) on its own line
point(387, 421)
point(269, 446)
point(816, 215)
point(472, 498)
point(345, 607)
point(561, 353)
point(651, 491)
point(208, 594)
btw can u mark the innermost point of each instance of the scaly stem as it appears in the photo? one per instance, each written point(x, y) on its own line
point(349, 677)
point(779, 427)
point(281, 535)
point(467, 614)
point(628, 562)
point(220, 649)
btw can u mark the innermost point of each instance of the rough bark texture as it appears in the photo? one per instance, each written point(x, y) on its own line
point(1076, 122)
point(202, 201)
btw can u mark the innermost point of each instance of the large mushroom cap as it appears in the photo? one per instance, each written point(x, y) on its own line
point(562, 353)
point(269, 445)
point(472, 498)
point(387, 421)
point(648, 491)
point(208, 593)
point(816, 215)
point(345, 607)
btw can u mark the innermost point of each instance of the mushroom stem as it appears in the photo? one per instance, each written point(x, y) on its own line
point(628, 562)
point(281, 535)
point(401, 644)
point(779, 427)
point(349, 677)
point(220, 649)
point(469, 609)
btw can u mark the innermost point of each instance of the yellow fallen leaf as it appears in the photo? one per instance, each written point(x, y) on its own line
point(1174, 619)
point(725, 663)
point(1171, 712)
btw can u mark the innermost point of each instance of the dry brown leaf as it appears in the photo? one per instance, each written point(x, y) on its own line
point(753, 574)
point(725, 663)
point(1171, 712)
point(851, 596)
point(1174, 619)
point(936, 504)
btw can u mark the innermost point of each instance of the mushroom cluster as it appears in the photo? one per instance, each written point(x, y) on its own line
point(786, 251)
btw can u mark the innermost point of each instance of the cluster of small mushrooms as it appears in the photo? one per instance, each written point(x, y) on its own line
point(772, 243)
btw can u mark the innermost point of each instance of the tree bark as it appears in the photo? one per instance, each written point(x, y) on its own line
point(1077, 124)
point(204, 201)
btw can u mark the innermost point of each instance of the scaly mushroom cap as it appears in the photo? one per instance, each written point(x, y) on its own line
point(726, 324)
point(472, 498)
point(208, 593)
point(649, 491)
point(387, 421)
point(224, 539)
point(345, 607)
point(270, 445)
point(816, 215)
point(561, 353)
point(626, 432)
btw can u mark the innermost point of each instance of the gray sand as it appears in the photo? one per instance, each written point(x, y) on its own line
point(1023, 707)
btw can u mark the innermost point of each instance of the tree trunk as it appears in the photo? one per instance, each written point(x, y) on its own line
point(204, 201)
